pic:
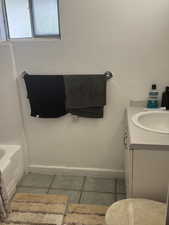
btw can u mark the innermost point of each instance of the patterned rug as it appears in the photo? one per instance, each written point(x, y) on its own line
point(34, 209)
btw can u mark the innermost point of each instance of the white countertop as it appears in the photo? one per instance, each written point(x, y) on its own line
point(142, 139)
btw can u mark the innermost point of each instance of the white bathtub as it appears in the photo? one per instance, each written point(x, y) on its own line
point(11, 166)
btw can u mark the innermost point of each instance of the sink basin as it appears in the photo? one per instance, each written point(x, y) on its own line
point(155, 121)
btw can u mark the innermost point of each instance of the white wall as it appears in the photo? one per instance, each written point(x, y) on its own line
point(130, 38)
point(10, 120)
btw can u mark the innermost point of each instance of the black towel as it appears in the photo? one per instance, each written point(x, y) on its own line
point(46, 94)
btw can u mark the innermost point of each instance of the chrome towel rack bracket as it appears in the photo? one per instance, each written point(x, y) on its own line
point(108, 74)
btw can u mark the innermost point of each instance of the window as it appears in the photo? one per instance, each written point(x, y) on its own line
point(31, 18)
point(2, 25)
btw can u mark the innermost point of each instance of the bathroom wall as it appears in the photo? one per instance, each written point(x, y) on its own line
point(129, 38)
point(10, 120)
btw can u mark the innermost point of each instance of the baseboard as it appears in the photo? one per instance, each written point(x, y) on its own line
point(77, 171)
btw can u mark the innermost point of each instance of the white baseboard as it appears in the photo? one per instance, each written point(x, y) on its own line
point(78, 171)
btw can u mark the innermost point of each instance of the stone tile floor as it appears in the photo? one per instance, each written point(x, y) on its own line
point(80, 189)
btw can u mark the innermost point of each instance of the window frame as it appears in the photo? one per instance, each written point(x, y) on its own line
point(34, 35)
point(4, 21)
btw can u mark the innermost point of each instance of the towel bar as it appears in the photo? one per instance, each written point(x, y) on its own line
point(108, 74)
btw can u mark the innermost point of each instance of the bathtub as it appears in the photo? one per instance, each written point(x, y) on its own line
point(11, 167)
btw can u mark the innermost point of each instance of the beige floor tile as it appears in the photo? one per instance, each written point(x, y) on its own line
point(32, 190)
point(121, 196)
point(99, 184)
point(38, 207)
point(68, 182)
point(96, 198)
point(74, 196)
point(121, 188)
point(87, 209)
point(36, 180)
point(72, 219)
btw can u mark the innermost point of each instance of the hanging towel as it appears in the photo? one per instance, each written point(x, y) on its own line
point(46, 94)
point(85, 95)
point(4, 209)
point(92, 112)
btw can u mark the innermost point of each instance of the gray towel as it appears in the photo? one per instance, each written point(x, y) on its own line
point(83, 91)
point(85, 95)
point(92, 112)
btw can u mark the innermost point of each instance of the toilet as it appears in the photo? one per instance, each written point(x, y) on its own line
point(136, 212)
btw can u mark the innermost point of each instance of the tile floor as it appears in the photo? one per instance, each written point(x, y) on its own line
point(84, 190)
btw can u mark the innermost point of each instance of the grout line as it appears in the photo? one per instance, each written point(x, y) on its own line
point(50, 185)
point(83, 191)
point(66, 209)
point(83, 184)
point(64, 214)
point(101, 178)
point(115, 191)
point(76, 190)
point(121, 193)
point(32, 187)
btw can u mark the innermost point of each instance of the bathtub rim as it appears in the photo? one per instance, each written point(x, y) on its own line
point(9, 150)
point(2, 153)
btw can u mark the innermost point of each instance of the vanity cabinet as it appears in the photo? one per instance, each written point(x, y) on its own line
point(146, 155)
point(146, 172)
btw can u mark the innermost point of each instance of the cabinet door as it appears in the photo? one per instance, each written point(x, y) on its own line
point(128, 172)
point(128, 166)
point(150, 174)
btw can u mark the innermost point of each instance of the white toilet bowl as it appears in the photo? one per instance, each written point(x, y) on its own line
point(136, 212)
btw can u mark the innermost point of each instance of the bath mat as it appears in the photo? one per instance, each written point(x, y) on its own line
point(41, 198)
point(78, 214)
point(99, 210)
point(43, 209)
point(37, 209)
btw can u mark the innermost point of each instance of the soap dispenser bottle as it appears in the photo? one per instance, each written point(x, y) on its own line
point(153, 102)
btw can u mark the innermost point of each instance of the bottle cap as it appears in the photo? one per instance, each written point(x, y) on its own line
point(167, 89)
point(154, 86)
